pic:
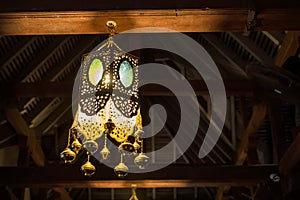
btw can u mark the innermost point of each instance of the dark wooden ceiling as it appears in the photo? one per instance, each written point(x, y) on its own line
point(41, 46)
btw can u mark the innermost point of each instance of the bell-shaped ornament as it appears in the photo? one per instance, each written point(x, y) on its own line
point(136, 146)
point(126, 148)
point(91, 146)
point(121, 170)
point(76, 146)
point(88, 169)
point(105, 153)
point(68, 155)
point(141, 161)
point(109, 126)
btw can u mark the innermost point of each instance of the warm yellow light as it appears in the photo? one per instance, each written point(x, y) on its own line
point(108, 112)
point(107, 79)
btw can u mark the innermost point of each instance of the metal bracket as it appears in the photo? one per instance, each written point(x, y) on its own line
point(251, 22)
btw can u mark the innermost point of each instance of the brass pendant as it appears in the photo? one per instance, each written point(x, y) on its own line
point(126, 148)
point(88, 169)
point(68, 155)
point(121, 170)
point(141, 161)
point(105, 153)
point(76, 146)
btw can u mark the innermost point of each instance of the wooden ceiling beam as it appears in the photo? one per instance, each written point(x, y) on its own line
point(94, 22)
point(64, 89)
point(171, 176)
point(181, 20)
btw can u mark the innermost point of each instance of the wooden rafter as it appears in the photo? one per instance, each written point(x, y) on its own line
point(53, 119)
point(56, 72)
point(275, 36)
point(257, 118)
point(17, 121)
point(252, 48)
point(289, 47)
point(258, 115)
point(171, 176)
point(230, 55)
point(9, 56)
point(45, 54)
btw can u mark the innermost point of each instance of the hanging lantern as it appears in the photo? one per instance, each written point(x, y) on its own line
point(108, 104)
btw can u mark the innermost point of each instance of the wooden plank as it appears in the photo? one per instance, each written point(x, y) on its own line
point(181, 20)
point(64, 89)
point(171, 176)
point(288, 48)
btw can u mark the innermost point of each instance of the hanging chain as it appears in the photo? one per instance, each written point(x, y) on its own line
point(111, 27)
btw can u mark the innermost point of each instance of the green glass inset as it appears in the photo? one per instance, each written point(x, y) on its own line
point(95, 71)
point(126, 73)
